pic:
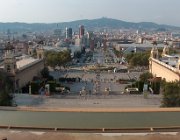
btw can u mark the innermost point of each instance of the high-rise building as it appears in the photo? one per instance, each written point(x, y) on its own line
point(57, 33)
point(68, 33)
point(91, 40)
point(81, 31)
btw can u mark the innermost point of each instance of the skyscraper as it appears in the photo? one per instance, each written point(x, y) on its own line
point(68, 33)
point(91, 40)
point(81, 31)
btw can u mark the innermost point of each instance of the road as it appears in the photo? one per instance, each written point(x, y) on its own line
point(107, 79)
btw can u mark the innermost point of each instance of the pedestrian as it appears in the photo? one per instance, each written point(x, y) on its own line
point(41, 91)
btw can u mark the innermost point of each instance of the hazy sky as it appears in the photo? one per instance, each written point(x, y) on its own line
point(48, 11)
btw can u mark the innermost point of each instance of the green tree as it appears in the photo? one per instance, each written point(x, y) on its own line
point(5, 98)
point(45, 73)
point(171, 95)
point(57, 58)
point(138, 59)
point(155, 85)
point(51, 58)
point(6, 88)
point(117, 53)
point(65, 57)
point(129, 57)
point(145, 76)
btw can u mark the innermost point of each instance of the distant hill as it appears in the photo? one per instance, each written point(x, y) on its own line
point(89, 24)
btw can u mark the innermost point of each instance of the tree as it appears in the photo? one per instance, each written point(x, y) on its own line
point(155, 82)
point(57, 58)
point(5, 98)
point(6, 87)
point(138, 59)
point(118, 53)
point(156, 85)
point(51, 58)
point(45, 73)
point(145, 76)
point(129, 57)
point(171, 95)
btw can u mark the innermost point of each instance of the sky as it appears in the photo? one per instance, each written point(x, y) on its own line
point(50, 11)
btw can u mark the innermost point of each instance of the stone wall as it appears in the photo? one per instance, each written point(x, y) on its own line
point(25, 75)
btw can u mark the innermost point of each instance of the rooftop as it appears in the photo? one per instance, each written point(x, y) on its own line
point(171, 60)
point(25, 61)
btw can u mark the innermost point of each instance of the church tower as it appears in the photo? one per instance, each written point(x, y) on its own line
point(9, 59)
point(40, 53)
point(154, 51)
point(165, 49)
point(40, 50)
point(31, 49)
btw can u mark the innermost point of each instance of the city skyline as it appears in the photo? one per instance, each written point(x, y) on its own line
point(40, 11)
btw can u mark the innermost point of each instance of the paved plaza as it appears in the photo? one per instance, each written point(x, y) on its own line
point(89, 101)
point(107, 80)
point(83, 92)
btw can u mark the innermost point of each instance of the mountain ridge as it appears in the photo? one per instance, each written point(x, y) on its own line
point(88, 23)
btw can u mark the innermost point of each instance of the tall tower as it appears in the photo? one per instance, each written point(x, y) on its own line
point(40, 53)
point(9, 59)
point(81, 31)
point(90, 40)
point(154, 51)
point(68, 33)
point(165, 49)
point(92, 43)
point(31, 49)
point(57, 32)
point(40, 50)
point(154, 54)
